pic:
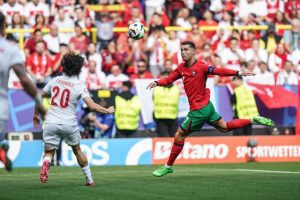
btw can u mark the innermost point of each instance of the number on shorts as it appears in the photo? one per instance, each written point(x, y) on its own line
point(64, 99)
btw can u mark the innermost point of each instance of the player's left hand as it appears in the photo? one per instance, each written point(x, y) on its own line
point(36, 121)
point(247, 74)
point(111, 109)
point(152, 85)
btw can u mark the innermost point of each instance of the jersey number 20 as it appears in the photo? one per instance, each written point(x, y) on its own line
point(64, 97)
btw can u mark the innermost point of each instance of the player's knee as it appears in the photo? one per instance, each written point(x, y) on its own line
point(180, 135)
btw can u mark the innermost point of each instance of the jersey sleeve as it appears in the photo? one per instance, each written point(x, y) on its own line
point(170, 79)
point(16, 57)
point(83, 91)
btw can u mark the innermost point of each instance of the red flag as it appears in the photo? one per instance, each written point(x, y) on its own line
point(274, 96)
point(298, 113)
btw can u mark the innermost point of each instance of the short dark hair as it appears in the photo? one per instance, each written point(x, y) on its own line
point(37, 30)
point(72, 64)
point(190, 43)
point(127, 84)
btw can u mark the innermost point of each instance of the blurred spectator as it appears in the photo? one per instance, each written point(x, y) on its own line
point(165, 112)
point(80, 40)
point(208, 21)
point(183, 21)
point(173, 43)
point(291, 37)
point(82, 17)
point(263, 76)
point(142, 72)
point(130, 4)
point(104, 30)
point(270, 39)
point(30, 43)
point(251, 67)
point(196, 36)
point(151, 7)
point(135, 54)
point(10, 8)
point(116, 78)
point(220, 80)
point(232, 56)
point(135, 16)
point(127, 112)
point(296, 57)
point(247, 7)
point(169, 66)
point(290, 9)
point(174, 6)
point(156, 44)
point(109, 57)
point(280, 20)
point(287, 75)
point(18, 23)
point(256, 53)
point(53, 39)
point(40, 22)
point(160, 18)
point(220, 39)
point(277, 59)
point(63, 21)
point(206, 54)
point(246, 39)
point(36, 7)
point(57, 68)
point(94, 80)
point(39, 65)
point(105, 124)
point(92, 54)
point(243, 105)
point(88, 15)
point(274, 6)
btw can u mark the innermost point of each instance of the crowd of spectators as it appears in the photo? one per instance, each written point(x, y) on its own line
point(273, 54)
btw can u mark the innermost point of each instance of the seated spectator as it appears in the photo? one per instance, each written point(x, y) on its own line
point(263, 76)
point(104, 30)
point(92, 54)
point(220, 80)
point(135, 54)
point(287, 75)
point(289, 9)
point(251, 67)
point(63, 21)
point(39, 65)
point(278, 59)
point(33, 8)
point(10, 8)
point(57, 67)
point(182, 20)
point(135, 16)
point(142, 72)
point(94, 80)
point(53, 39)
point(80, 40)
point(232, 56)
point(246, 39)
point(208, 21)
point(280, 20)
point(220, 40)
point(88, 14)
point(196, 36)
point(116, 78)
point(18, 23)
point(292, 36)
point(206, 54)
point(273, 7)
point(109, 57)
point(256, 53)
point(30, 44)
point(160, 18)
point(296, 57)
point(40, 22)
point(173, 43)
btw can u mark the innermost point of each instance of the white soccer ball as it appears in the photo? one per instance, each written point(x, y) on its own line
point(136, 30)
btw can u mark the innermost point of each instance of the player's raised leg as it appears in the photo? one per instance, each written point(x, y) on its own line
point(177, 147)
point(48, 156)
point(224, 127)
point(83, 163)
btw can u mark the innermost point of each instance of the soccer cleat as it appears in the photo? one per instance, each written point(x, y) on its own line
point(90, 184)
point(4, 158)
point(45, 171)
point(263, 121)
point(163, 170)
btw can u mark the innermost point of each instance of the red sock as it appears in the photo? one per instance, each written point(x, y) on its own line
point(176, 149)
point(238, 123)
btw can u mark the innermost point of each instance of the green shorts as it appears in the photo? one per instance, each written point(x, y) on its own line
point(197, 118)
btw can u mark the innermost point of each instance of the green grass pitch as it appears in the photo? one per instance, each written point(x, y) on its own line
point(219, 181)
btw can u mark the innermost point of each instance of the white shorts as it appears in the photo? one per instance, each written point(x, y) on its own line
point(53, 133)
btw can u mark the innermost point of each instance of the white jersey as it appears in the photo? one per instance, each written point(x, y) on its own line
point(9, 56)
point(65, 92)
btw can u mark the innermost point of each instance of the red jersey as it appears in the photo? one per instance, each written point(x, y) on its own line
point(39, 64)
point(194, 81)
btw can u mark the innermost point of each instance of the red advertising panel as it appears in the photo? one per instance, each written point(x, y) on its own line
point(199, 150)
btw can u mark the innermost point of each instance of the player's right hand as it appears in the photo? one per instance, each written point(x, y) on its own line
point(152, 85)
point(36, 121)
point(111, 109)
point(41, 110)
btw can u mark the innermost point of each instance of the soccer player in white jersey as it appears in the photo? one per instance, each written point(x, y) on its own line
point(61, 122)
point(11, 58)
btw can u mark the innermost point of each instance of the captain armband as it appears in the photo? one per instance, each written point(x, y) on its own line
point(211, 69)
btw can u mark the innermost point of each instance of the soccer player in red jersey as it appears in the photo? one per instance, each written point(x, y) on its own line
point(194, 74)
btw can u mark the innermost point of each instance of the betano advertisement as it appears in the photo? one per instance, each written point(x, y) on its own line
point(149, 151)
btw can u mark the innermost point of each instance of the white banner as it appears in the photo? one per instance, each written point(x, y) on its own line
point(146, 98)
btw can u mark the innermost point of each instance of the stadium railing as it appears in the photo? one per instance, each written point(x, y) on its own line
point(93, 31)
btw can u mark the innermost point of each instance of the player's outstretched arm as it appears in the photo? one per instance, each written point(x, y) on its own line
point(165, 81)
point(96, 107)
point(227, 72)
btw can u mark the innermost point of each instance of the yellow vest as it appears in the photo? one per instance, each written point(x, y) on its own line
point(245, 102)
point(127, 113)
point(166, 102)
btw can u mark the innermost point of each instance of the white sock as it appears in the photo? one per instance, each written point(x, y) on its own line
point(47, 158)
point(87, 172)
point(167, 166)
